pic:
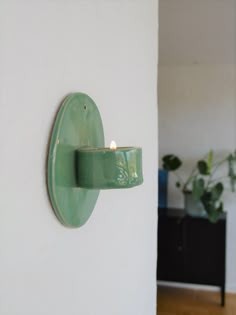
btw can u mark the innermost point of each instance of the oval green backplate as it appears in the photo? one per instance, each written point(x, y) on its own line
point(78, 124)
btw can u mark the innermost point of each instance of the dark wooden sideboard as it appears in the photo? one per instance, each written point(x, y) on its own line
point(191, 249)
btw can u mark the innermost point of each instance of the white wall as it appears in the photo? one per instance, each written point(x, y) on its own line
point(197, 94)
point(106, 49)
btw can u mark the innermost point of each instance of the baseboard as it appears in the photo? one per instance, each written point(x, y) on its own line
point(189, 286)
point(231, 288)
point(228, 289)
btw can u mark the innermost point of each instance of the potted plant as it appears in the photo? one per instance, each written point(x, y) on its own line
point(203, 189)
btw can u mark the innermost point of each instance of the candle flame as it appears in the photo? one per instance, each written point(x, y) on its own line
point(113, 145)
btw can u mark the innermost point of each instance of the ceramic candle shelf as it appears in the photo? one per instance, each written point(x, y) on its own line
point(79, 165)
point(103, 168)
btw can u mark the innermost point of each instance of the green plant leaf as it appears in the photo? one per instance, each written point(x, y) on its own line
point(212, 206)
point(217, 191)
point(231, 173)
point(230, 165)
point(202, 167)
point(206, 198)
point(171, 162)
point(198, 188)
point(215, 213)
point(177, 184)
point(209, 161)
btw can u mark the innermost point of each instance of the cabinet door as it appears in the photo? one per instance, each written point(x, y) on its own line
point(170, 264)
point(204, 251)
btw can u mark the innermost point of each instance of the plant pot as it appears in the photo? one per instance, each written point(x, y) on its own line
point(193, 208)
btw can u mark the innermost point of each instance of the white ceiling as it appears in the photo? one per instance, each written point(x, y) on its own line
point(197, 31)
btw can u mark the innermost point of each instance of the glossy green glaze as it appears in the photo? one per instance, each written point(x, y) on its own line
point(103, 168)
point(78, 124)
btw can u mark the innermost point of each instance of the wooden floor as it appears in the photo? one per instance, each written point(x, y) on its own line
point(173, 301)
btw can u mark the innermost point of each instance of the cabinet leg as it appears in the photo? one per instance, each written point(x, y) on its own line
point(223, 295)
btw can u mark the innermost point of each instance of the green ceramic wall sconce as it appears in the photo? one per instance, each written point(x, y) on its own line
point(79, 165)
